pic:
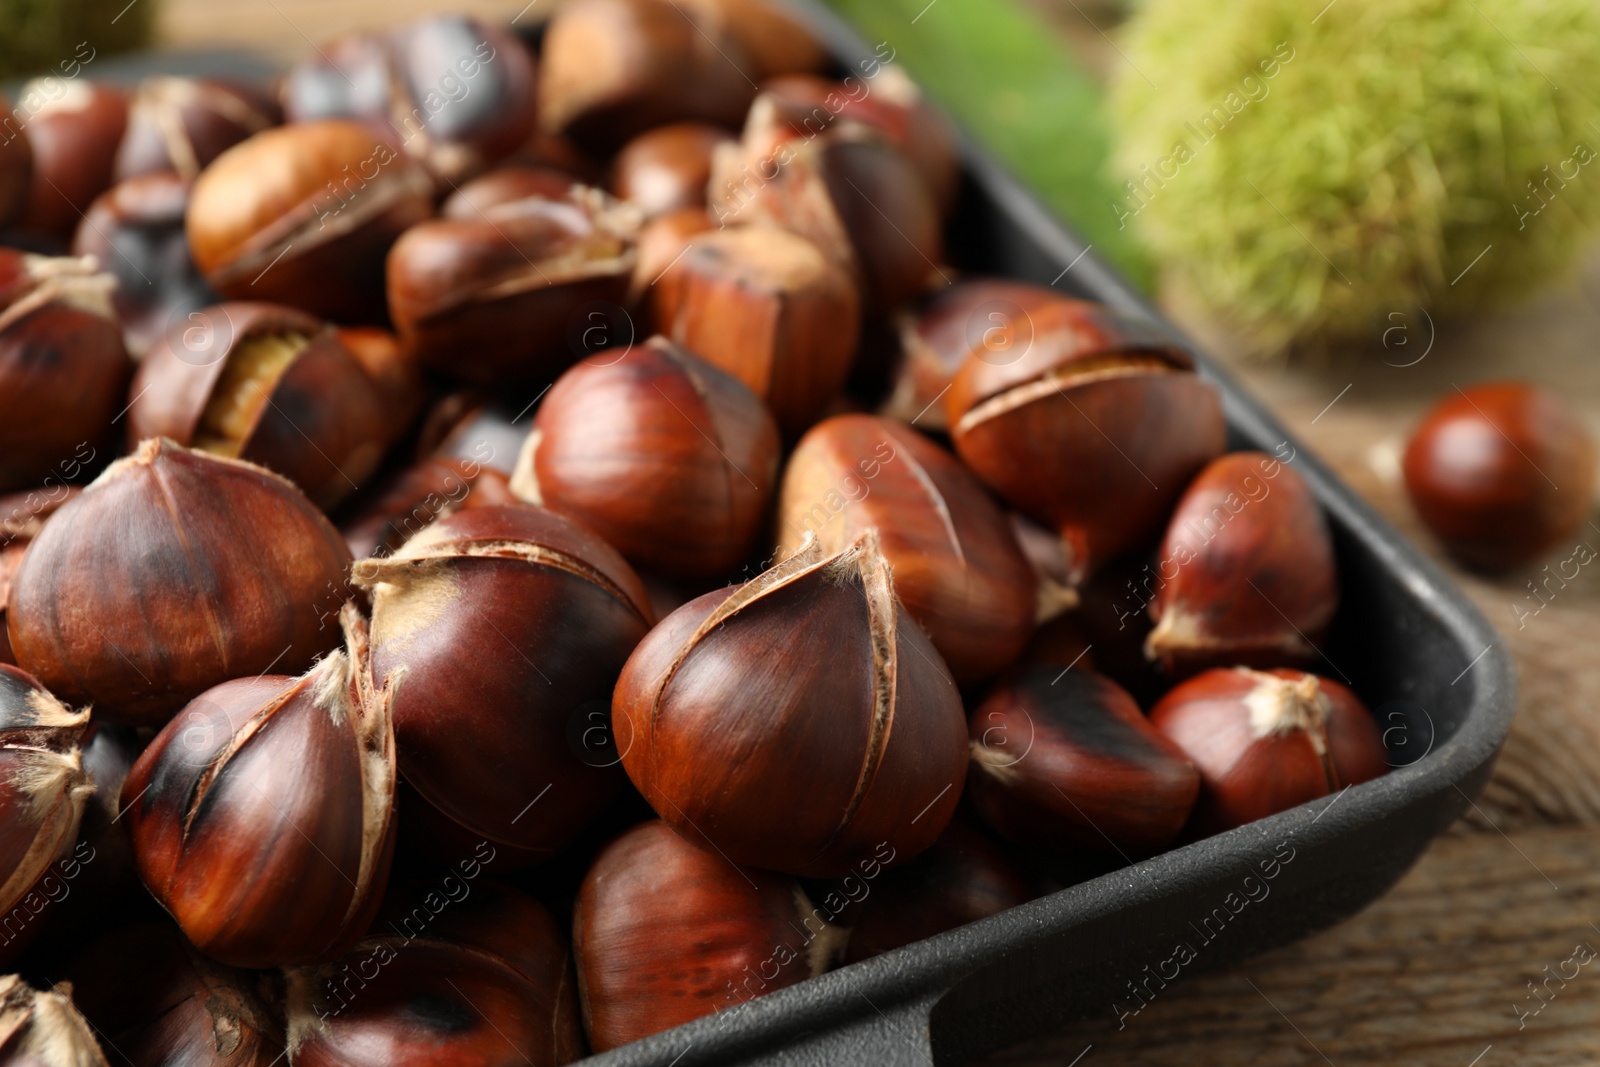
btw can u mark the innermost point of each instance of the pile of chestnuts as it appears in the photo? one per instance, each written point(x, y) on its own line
point(507, 550)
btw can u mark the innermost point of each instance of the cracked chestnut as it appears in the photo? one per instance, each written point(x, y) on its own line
point(179, 125)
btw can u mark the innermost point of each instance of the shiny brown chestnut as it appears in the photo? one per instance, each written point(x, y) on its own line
point(503, 297)
point(667, 168)
point(393, 369)
point(505, 625)
point(810, 681)
point(666, 932)
point(769, 308)
point(16, 165)
point(1265, 741)
point(262, 815)
point(460, 974)
point(44, 1029)
point(63, 367)
point(1064, 759)
point(22, 516)
point(957, 567)
point(506, 184)
point(304, 215)
point(414, 498)
point(1247, 572)
point(267, 384)
point(73, 133)
point(179, 125)
point(455, 93)
point(1501, 473)
point(670, 459)
point(172, 572)
point(612, 69)
point(1087, 421)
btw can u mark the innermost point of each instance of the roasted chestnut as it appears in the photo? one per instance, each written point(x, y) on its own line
point(668, 458)
point(43, 1029)
point(506, 184)
point(957, 567)
point(179, 125)
point(504, 627)
point(667, 168)
point(74, 134)
point(393, 369)
point(418, 496)
point(63, 367)
point(268, 384)
point(262, 815)
point(460, 973)
point(810, 681)
point(770, 309)
point(303, 215)
point(1265, 741)
point(1247, 574)
point(16, 167)
point(1501, 473)
point(1064, 759)
point(22, 516)
point(666, 932)
point(455, 93)
point(173, 572)
point(1088, 421)
point(501, 298)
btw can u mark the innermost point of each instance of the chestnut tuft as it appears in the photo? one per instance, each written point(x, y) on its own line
point(1247, 571)
point(44, 1029)
point(667, 168)
point(666, 932)
point(957, 567)
point(670, 459)
point(179, 125)
point(262, 815)
point(796, 761)
point(74, 136)
point(1501, 473)
point(1265, 741)
point(173, 572)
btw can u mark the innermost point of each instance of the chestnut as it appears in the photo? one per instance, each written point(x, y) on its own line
point(268, 384)
point(667, 168)
point(304, 215)
point(74, 134)
point(134, 230)
point(16, 167)
point(612, 69)
point(455, 93)
point(22, 516)
point(393, 369)
point(661, 241)
point(417, 496)
point(1088, 421)
point(467, 426)
point(173, 572)
point(262, 815)
point(460, 972)
point(957, 567)
point(63, 367)
point(503, 625)
point(1265, 741)
point(670, 459)
point(1064, 759)
point(1501, 473)
point(506, 184)
point(722, 724)
point(776, 42)
point(501, 298)
point(769, 308)
point(1247, 574)
point(666, 932)
point(44, 1029)
point(179, 125)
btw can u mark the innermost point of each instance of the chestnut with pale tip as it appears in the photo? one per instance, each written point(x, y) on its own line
point(1253, 581)
point(1265, 741)
point(666, 932)
point(262, 816)
point(43, 1028)
point(797, 721)
point(957, 568)
point(174, 571)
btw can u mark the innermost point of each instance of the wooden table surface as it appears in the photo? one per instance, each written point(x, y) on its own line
point(1437, 972)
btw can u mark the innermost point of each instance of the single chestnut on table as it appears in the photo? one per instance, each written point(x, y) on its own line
point(1064, 759)
point(1265, 741)
point(63, 368)
point(668, 168)
point(267, 384)
point(504, 626)
point(1247, 572)
point(670, 459)
point(769, 308)
point(1087, 421)
point(957, 567)
point(666, 932)
point(73, 135)
point(41, 1028)
point(175, 571)
point(1501, 473)
point(304, 215)
point(455, 93)
point(179, 125)
point(797, 721)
